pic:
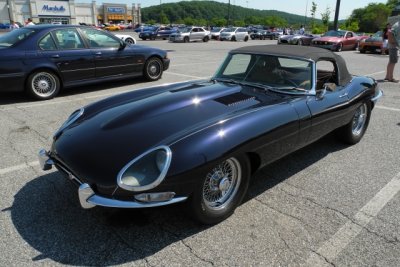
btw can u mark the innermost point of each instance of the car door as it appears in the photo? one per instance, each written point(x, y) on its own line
point(194, 34)
point(65, 49)
point(350, 40)
point(111, 56)
point(329, 108)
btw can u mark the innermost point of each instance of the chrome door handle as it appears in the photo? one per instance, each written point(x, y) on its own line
point(344, 95)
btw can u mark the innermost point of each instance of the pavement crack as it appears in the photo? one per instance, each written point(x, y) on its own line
point(323, 257)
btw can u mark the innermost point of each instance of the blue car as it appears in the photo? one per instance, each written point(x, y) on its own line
point(157, 33)
point(43, 59)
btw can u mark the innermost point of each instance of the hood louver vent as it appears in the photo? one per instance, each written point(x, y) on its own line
point(234, 99)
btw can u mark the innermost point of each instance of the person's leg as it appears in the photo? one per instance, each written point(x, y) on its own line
point(393, 58)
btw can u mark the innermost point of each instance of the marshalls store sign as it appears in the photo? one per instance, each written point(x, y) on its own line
point(52, 8)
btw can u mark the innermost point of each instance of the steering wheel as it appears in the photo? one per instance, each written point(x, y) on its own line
point(291, 82)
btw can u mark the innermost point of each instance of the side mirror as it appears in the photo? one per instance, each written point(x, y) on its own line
point(321, 94)
point(122, 45)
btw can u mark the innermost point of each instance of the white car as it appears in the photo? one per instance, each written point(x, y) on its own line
point(190, 34)
point(234, 34)
point(215, 33)
point(127, 38)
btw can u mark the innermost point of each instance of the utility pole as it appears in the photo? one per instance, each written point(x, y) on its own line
point(229, 12)
point(335, 22)
point(8, 8)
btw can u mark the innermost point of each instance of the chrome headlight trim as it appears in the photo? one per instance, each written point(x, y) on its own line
point(71, 119)
point(156, 181)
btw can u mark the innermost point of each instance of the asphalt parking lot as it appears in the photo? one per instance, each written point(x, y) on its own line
point(325, 205)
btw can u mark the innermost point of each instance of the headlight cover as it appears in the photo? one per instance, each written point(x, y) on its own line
point(146, 171)
point(71, 119)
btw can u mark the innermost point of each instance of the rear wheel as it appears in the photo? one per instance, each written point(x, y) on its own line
point(205, 39)
point(246, 38)
point(43, 85)
point(153, 69)
point(221, 190)
point(129, 41)
point(352, 132)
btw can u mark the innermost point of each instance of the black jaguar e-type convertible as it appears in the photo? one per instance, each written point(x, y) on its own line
point(199, 142)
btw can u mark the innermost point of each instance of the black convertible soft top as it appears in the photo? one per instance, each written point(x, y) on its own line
point(306, 52)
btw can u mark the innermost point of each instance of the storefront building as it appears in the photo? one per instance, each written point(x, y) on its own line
point(68, 12)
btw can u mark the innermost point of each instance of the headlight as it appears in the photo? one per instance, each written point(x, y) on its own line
point(71, 119)
point(146, 171)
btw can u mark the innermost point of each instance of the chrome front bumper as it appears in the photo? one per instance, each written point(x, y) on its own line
point(88, 198)
point(377, 96)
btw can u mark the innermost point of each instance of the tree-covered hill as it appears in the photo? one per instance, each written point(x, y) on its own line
point(216, 13)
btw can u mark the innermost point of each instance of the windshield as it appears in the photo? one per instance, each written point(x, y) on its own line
point(15, 36)
point(281, 73)
point(229, 30)
point(335, 33)
point(185, 30)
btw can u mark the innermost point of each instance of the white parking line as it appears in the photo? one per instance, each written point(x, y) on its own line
point(184, 75)
point(375, 73)
point(331, 248)
point(387, 108)
point(19, 167)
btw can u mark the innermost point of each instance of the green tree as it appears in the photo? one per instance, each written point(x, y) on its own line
point(370, 18)
point(325, 16)
point(313, 11)
point(163, 18)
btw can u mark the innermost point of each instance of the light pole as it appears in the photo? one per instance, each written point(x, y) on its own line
point(229, 12)
point(9, 13)
point(335, 22)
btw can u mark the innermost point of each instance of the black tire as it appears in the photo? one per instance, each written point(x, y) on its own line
point(205, 39)
point(144, 38)
point(246, 38)
point(362, 51)
point(352, 132)
point(300, 42)
point(186, 39)
point(252, 38)
point(43, 84)
point(209, 204)
point(129, 41)
point(153, 69)
point(339, 47)
point(233, 39)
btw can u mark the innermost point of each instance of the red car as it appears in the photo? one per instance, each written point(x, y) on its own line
point(338, 40)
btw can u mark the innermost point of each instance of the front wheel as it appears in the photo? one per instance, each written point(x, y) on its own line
point(43, 85)
point(205, 39)
point(221, 190)
point(339, 47)
point(233, 38)
point(352, 132)
point(246, 38)
point(129, 41)
point(186, 39)
point(300, 42)
point(153, 69)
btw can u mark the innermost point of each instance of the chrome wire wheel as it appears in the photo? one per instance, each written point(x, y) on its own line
point(44, 84)
point(359, 119)
point(222, 184)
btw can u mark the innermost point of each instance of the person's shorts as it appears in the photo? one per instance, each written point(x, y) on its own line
point(393, 55)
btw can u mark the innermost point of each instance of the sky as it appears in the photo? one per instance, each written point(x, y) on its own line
point(299, 7)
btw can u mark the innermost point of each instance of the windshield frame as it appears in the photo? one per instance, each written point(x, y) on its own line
point(218, 75)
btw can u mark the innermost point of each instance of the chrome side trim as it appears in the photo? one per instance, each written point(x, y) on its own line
point(44, 160)
point(377, 96)
point(89, 199)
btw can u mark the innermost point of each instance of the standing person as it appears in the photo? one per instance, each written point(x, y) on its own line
point(302, 30)
point(13, 25)
point(385, 38)
point(393, 54)
point(29, 22)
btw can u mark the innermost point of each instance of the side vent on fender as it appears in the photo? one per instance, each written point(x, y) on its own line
point(234, 99)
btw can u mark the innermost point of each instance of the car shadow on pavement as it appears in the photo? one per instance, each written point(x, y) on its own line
point(47, 215)
point(21, 97)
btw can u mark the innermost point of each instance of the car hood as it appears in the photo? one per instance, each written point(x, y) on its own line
point(329, 39)
point(373, 39)
point(123, 127)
